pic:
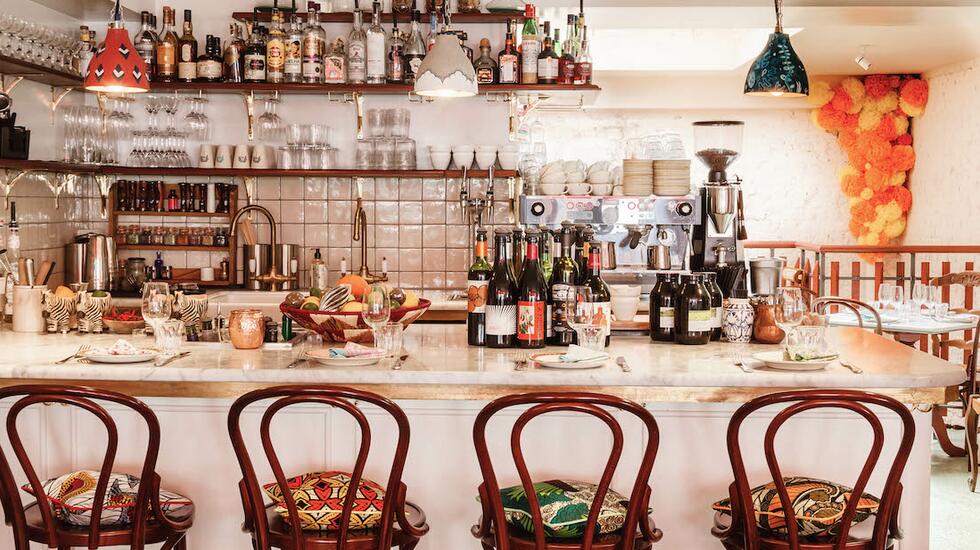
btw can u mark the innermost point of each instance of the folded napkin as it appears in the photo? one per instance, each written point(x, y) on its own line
point(576, 354)
point(355, 350)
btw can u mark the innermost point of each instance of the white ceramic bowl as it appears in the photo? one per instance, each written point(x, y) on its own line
point(485, 159)
point(463, 157)
point(599, 178)
point(573, 166)
point(602, 189)
point(579, 188)
point(624, 290)
point(441, 148)
point(486, 148)
point(440, 161)
point(508, 161)
point(625, 307)
point(575, 177)
point(554, 177)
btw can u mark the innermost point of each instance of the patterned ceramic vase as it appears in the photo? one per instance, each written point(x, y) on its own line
point(737, 321)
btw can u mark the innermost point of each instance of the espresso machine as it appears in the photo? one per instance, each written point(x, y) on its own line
point(717, 240)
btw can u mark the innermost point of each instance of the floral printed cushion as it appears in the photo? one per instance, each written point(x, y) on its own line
point(73, 495)
point(564, 507)
point(818, 505)
point(320, 498)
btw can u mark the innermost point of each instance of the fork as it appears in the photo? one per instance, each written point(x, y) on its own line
point(81, 349)
point(741, 364)
point(520, 361)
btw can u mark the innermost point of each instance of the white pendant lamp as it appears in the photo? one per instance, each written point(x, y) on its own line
point(446, 71)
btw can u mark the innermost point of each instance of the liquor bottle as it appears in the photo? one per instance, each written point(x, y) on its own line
point(564, 276)
point(376, 50)
point(415, 49)
point(335, 63)
point(158, 266)
point(357, 51)
point(556, 43)
point(662, 304)
point(462, 44)
point(566, 63)
point(508, 63)
point(86, 52)
point(717, 300)
point(314, 45)
point(477, 283)
point(167, 48)
point(583, 64)
point(532, 297)
point(547, 63)
point(293, 62)
point(318, 275)
point(209, 63)
point(13, 237)
point(693, 311)
point(501, 310)
point(430, 40)
point(547, 252)
point(255, 56)
point(530, 47)
point(395, 60)
point(275, 50)
point(485, 66)
point(601, 297)
point(145, 44)
point(234, 56)
point(187, 48)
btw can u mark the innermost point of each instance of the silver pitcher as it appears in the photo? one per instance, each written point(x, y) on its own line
point(97, 264)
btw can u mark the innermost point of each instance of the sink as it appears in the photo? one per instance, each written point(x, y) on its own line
point(226, 300)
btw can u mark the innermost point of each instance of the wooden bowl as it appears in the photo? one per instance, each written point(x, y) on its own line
point(123, 327)
point(349, 326)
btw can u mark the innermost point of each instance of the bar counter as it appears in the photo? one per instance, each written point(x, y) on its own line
point(691, 391)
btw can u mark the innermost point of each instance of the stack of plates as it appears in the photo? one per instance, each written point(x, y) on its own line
point(671, 177)
point(637, 177)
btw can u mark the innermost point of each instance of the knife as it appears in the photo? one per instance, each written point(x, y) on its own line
point(174, 358)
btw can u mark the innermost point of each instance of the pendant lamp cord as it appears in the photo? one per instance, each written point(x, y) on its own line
point(779, 15)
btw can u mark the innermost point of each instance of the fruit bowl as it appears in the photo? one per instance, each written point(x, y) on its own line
point(349, 326)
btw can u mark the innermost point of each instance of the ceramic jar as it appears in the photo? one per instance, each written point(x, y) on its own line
point(246, 328)
point(737, 320)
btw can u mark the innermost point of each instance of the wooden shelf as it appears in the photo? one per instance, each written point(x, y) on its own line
point(348, 17)
point(49, 166)
point(197, 282)
point(178, 248)
point(10, 66)
point(378, 89)
point(175, 214)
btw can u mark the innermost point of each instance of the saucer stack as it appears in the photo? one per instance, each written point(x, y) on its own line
point(638, 177)
point(671, 178)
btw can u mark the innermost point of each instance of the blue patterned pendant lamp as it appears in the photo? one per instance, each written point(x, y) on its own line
point(778, 71)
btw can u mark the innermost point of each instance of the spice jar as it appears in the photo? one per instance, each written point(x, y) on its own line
point(170, 236)
point(207, 237)
point(133, 236)
point(221, 238)
point(182, 237)
point(194, 237)
point(246, 328)
point(468, 6)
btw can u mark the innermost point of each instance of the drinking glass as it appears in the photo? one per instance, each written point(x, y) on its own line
point(157, 304)
point(920, 295)
point(270, 126)
point(388, 338)
point(790, 308)
point(935, 297)
point(588, 323)
point(169, 336)
point(886, 293)
point(376, 308)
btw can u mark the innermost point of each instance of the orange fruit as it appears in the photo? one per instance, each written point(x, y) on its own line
point(358, 286)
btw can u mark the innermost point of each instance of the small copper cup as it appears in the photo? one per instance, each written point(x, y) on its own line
point(247, 328)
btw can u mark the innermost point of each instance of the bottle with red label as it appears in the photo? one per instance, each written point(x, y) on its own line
point(583, 64)
point(601, 297)
point(532, 296)
point(477, 282)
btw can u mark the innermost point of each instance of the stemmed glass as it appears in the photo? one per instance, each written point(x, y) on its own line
point(157, 304)
point(582, 316)
point(197, 122)
point(919, 297)
point(886, 294)
point(376, 307)
point(790, 308)
point(935, 297)
point(270, 127)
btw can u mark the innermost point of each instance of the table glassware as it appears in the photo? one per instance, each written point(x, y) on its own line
point(807, 342)
point(157, 304)
point(388, 338)
point(886, 294)
point(934, 297)
point(269, 125)
point(789, 308)
point(376, 307)
point(169, 336)
point(397, 122)
point(918, 298)
point(580, 312)
point(940, 312)
point(246, 328)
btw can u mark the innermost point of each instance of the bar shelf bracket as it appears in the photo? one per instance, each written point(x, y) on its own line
point(249, 99)
point(104, 182)
point(9, 178)
point(57, 96)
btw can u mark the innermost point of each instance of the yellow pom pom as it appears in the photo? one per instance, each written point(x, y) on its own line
point(886, 104)
point(878, 224)
point(901, 124)
point(910, 109)
point(867, 193)
point(847, 170)
point(890, 212)
point(898, 178)
point(820, 93)
point(852, 201)
point(895, 228)
point(855, 89)
point(868, 120)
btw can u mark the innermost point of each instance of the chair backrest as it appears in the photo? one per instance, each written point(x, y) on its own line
point(969, 279)
point(820, 304)
point(549, 402)
point(801, 401)
point(85, 399)
point(334, 396)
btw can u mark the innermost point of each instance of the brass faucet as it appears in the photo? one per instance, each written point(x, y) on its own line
point(273, 278)
point(360, 226)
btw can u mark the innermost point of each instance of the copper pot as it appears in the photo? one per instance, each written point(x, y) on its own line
point(765, 329)
point(247, 328)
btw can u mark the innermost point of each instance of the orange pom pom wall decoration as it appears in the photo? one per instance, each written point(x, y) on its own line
point(870, 118)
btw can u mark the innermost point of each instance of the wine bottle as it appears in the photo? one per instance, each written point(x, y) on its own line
point(518, 248)
point(501, 310)
point(662, 303)
point(477, 282)
point(717, 300)
point(532, 296)
point(583, 237)
point(693, 323)
point(601, 297)
point(564, 276)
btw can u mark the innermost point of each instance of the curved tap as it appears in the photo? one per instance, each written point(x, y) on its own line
point(273, 278)
point(359, 234)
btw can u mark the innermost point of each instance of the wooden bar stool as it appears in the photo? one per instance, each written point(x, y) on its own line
point(314, 497)
point(755, 519)
point(78, 509)
point(612, 523)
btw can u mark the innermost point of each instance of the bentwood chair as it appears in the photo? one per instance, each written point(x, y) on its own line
point(819, 305)
point(739, 528)
point(636, 532)
point(372, 526)
point(90, 518)
point(969, 280)
point(972, 412)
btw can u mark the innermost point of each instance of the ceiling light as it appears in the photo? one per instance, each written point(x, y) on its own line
point(117, 67)
point(862, 59)
point(778, 71)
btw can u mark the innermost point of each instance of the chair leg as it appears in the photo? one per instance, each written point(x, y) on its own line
point(182, 544)
point(409, 545)
point(942, 434)
point(972, 417)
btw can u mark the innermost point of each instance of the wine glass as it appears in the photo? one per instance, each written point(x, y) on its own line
point(935, 298)
point(157, 304)
point(790, 308)
point(376, 307)
point(582, 315)
point(886, 294)
point(920, 296)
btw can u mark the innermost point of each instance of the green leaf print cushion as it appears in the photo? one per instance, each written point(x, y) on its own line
point(564, 508)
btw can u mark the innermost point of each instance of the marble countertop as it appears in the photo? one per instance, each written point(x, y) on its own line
point(442, 366)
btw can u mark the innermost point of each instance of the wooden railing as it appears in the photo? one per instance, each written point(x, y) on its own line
point(841, 270)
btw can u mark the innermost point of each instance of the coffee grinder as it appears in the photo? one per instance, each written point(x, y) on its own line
point(716, 242)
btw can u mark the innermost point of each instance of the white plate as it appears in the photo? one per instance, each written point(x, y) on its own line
point(553, 361)
point(147, 355)
point(322, 356)
point(777, 360)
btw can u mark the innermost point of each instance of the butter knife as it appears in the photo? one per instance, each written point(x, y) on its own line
point(174, 358)
point(398, 364)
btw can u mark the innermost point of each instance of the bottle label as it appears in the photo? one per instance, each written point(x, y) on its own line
point(602, 315)
point(275, 55)
point(700, 320)
point(560, 293)
point(566, 71)
point(187, 70)
point(210, 69)
point(186, 53)
point(166, 58)
point(396, 66)
point(484, 75)
point(293, 62)
point(254, 67)
point(583, 73)
point(356, 62)
point(666, 317)
point(508, 69)
point(476, 296)
point(333, 70)
point(548, 68)
point(530, 49)
point(530, 320)
point(716, 321)
point(414, 62)
point(501, 320)
point(375, 55)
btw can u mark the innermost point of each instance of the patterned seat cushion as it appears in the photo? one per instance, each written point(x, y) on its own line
point(320, 498)
point(818, 504)
point(564, 507)
point(72, 496)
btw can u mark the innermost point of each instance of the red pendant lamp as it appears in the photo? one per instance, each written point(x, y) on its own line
point(117, 67)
